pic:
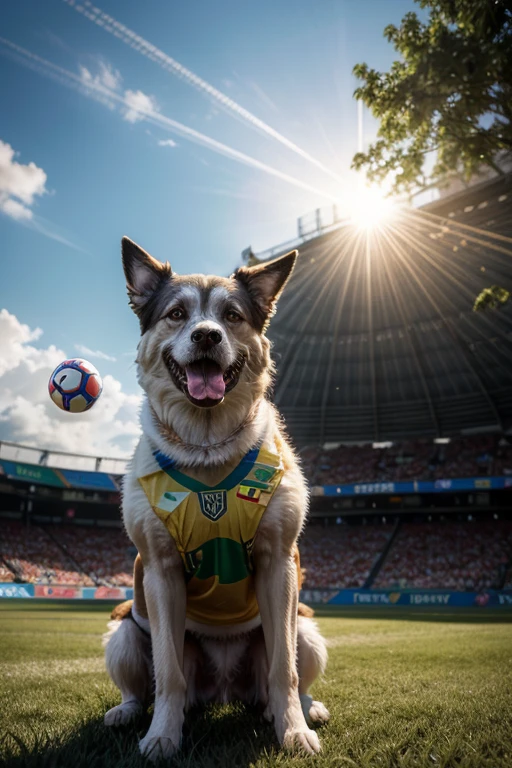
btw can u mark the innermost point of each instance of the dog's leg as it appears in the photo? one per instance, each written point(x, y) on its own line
point(164, 589)
point(128, 661)
point(192, 662)
point(312, 660)
point(276, 590)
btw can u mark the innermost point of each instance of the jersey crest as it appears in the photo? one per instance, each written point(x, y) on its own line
point(213, 504)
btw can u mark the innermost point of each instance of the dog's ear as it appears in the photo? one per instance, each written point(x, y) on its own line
point(144, 274)
point(265, 283)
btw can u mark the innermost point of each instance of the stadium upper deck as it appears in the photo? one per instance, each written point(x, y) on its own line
point(476, 456)
point(375, 338)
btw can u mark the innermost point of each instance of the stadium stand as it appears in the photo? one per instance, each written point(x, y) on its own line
point(103, 554)
point(472, 456)
point(463, 557)
point(341, 556)
point(65, 555)
point(349, 543)
point(5, 573)
point(415, 360)
point(34, 557)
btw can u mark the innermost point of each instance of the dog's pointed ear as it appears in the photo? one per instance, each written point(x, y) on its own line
point(143, 274)
point(265, 283)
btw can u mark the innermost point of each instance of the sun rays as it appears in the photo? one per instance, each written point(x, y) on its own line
point(379, 317)
point(369, 208)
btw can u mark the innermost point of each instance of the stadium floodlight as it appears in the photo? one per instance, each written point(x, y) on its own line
point(369, 207)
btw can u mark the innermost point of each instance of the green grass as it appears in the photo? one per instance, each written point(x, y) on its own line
point(417, 688)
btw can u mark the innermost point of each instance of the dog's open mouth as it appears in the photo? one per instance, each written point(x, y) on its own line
point(203, 381)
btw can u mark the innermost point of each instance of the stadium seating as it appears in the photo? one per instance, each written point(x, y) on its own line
point(474, 456)
point(467, 556)
point(341, 556)
point(101, 552)
point(5, 573)
point(459, 556)
point(65, 555)
point(34, 557)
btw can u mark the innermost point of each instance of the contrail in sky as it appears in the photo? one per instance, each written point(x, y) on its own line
point(150, 51)
point(109, 97)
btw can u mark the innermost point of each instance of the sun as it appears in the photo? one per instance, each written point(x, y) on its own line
point(369, 207)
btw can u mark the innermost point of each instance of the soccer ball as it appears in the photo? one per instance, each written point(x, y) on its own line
point(75, 385)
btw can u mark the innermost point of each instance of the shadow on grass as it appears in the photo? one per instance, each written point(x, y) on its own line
point(212, 737)
point(432, 614)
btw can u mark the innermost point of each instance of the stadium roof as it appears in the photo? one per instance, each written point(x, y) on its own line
point(375, 338)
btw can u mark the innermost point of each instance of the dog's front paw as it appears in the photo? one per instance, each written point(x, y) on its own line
point(318, 713)
point(157, 747)
point(315, 712)
point(301, 739)
point(123, 714)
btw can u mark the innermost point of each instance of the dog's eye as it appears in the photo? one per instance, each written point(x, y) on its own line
point(176, 314)
point(233, 316)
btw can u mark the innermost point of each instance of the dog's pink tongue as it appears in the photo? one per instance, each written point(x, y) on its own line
point(205, 380)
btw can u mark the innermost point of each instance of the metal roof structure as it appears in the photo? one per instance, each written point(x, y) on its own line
point(375, 337)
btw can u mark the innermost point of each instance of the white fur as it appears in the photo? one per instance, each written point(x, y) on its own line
point(141, 620)
point(128, 661)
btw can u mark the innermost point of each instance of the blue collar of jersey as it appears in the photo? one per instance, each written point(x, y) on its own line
point(234, 478)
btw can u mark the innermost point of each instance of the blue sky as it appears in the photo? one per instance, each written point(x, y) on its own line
point(109, 172)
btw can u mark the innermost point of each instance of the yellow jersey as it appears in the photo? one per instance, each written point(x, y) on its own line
point(214, 530)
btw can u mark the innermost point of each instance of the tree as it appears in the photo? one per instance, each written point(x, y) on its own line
point(449, 94)
point(491, 298)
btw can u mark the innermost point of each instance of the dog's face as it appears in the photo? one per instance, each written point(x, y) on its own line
point(203, 337)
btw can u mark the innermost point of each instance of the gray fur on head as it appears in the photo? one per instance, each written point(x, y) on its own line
point(145, 280)
point(173, 310)
point(265, 283)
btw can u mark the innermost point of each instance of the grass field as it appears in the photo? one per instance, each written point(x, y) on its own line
point(404, 689)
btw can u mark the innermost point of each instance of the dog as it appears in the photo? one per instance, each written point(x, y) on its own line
point(214, 501)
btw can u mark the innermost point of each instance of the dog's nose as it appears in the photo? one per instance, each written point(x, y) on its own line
point(207, 338)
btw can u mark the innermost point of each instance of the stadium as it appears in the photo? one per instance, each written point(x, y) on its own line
point(412, 519)
point(400, 408)
point(390, 373)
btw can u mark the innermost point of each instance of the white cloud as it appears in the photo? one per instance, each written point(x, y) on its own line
point(14, 336)
point(19, 184)
point(107, 76)
point(27, 415)
point(167, 143)
point(15, 210)
point(138, 105)
point(94, 353)
point(110, 77)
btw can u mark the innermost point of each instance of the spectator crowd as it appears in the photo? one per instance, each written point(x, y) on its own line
point(341, 555)
point(64, 555)
point(469, 556)
point(104, 554)
point(459, 556)
point(472, 456)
